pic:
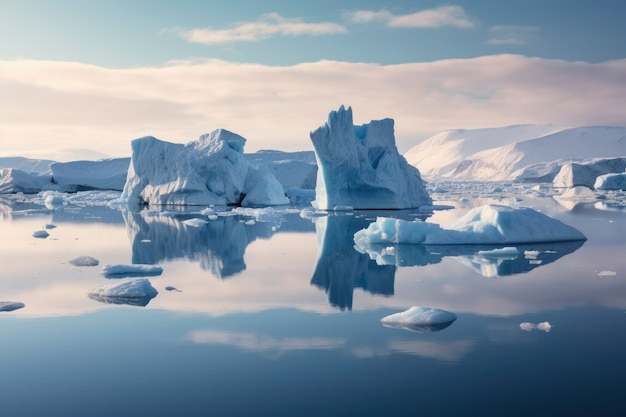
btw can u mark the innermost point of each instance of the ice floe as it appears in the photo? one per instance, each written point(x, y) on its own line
point(420, 319)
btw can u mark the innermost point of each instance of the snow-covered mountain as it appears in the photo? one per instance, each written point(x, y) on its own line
point(527, 152)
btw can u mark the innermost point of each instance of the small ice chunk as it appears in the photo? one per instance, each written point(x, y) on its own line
point(543, 326)
point(531, 254)
point(135, 288)
point(41, 234)
point(84, 261)
point(420, 319)
point(135, 270)
point(50, 226)
point(170, 288)
point(195, 222)
point(10, 305)
point(607, 273)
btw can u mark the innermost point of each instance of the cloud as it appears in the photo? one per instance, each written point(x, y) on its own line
point(512, 35)
point(454, 16)
point(267, 26)
point(51, 105)
point(262, 343)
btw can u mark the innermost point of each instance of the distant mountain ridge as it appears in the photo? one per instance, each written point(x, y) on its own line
point(507, 153)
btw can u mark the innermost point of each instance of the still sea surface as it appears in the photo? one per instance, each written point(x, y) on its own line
point(274, 313)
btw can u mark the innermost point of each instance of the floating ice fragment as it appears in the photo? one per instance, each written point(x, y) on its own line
point(133, 292)
point(170, 288)
point(420, 319)
point(543, 326)
point(135, 270)
point(41, 234)
point(10, 305)
point(49, 226)
point(84, 261)
point(607, 273)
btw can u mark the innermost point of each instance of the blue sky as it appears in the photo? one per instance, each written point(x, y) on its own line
point(95, 74)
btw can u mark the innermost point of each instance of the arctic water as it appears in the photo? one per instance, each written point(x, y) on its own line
point(272, 312)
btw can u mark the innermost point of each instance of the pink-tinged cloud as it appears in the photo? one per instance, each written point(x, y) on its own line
point(46, 106)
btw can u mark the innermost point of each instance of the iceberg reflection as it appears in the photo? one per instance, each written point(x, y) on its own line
point(218, 245)
point(476, 257)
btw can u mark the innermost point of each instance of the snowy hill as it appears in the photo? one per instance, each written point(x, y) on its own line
point(509, 153)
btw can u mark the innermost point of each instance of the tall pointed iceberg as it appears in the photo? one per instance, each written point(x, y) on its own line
point(360, 167)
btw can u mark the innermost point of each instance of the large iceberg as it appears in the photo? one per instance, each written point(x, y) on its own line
point(104, 174)
point(211, 170)
point(360, 167)
point(490, 224)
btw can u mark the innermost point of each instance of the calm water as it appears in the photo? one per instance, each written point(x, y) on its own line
point(276, 314)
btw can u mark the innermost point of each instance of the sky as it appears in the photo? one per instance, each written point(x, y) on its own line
point(82, 79)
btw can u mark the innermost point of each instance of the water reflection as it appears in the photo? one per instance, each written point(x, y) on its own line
point(528, 257)
point(218, 245)
point(340, 269)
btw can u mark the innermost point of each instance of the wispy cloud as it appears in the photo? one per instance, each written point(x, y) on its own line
point(454, 16)
point(267, 26)
point(263, 343)
point(53, 105)
point(512, 35)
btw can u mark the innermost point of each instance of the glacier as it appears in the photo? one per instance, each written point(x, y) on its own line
point(360, 167)
point(210, 170)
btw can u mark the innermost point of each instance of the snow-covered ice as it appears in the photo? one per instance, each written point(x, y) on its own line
point(360, 167)
point(490, 224)
point(134, 270)
point(524, 152)
point(611, 182)
point(104, 174)
point(543, 326)
point(420, 319)
point(210, 170)
point(585, 172)
point(133, 292)
point(84, 261)
point(10, 305)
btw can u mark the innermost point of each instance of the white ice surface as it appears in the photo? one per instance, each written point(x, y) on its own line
point(84, 261)
point(135, 288)
point(360, 167)
point(419, 319)
point(210, 170)
point(104, 174)
point(135, 270)
point(490, 224)
point(611, 182)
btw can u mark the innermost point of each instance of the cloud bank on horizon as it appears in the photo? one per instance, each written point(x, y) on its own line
point(273, 75)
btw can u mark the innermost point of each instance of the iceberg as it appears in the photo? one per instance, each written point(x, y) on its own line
point(420, 319)
point(210, 170)
point(585, 172)
point(133, 292)
point(490, 224)
point(135, 270)
point(611, 182)
point(104, 174)
point(13, 180)
point(360, 167)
